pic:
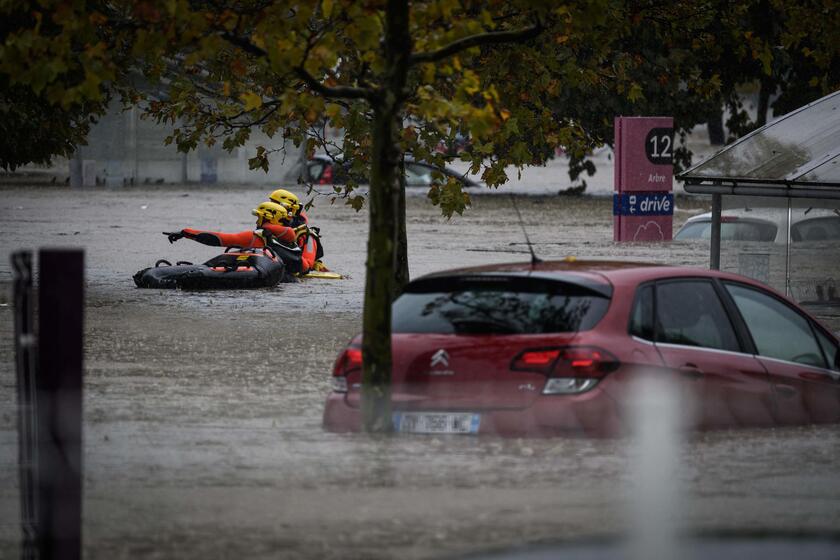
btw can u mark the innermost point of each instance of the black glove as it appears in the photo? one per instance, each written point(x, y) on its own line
point(173, 236)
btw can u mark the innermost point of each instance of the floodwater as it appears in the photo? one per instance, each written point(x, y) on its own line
point(203, 410)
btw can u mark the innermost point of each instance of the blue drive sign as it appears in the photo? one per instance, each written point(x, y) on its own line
point(643, 204)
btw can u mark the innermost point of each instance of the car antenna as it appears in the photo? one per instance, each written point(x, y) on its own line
point(534, 258)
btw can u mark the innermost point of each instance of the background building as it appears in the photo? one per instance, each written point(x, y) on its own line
point(125, 149)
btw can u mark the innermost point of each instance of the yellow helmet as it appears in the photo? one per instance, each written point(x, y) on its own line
point(270, 212)
point(287, 199)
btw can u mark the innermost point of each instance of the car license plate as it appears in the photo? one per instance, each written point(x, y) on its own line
point(436, 422)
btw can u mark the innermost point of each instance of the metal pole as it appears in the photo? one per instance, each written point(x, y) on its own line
point(135, 169)
point(787, 248)
point(714, 256)
point(25, 353)
point(59, 384)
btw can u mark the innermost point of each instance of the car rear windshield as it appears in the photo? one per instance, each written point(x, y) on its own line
point(816, 229)
point(497, 306)
point(729, 231)
point(316, 169)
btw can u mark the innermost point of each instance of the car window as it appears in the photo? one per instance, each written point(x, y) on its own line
point(641, 318)
point(416, 174)
point(729, 231)
point(694, 230)
point(777, 330)
point(498, 308)
point(315, 169)
point(830, 350)
point(816, 229)
point(689, 312)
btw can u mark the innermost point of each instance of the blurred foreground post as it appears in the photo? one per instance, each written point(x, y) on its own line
point(25, 366)
point(59, 410)
point(656, 501)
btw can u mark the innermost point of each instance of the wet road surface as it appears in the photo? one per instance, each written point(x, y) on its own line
point(202, 410)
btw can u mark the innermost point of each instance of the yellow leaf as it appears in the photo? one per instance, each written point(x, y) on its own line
point(333, 111)
point(428, 73)
point(226, 89)
point(326, 7)
point(635, 93)
point(251, 100)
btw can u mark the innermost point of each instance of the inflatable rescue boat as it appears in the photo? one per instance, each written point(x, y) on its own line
point(236, 269)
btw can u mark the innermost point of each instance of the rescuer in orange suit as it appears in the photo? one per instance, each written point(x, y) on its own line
point(300, 221)
point(292, 203)
point(274, 230)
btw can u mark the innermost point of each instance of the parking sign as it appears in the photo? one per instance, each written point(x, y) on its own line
point(643, 201)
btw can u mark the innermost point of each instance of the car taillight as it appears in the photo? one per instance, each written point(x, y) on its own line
point(570, 369)
point(326, 175)
point(584, 361)
point(347, 362)
point(540, 361)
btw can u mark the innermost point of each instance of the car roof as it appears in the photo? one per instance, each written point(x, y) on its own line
point(594, 274)
point(773, 215)
point(446, 170)
point(408, 158)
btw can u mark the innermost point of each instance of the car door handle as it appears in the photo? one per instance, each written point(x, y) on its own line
point(786, 391)
point(691, 370)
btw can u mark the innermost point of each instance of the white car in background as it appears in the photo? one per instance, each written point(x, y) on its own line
point(766, 225)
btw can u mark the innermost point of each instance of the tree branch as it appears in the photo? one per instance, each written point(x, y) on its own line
point(336, 92)
point(244, 44)
point(492, 38)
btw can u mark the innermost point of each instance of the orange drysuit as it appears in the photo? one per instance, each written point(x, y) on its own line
point(285, 235)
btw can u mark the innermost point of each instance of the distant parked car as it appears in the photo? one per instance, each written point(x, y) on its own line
point(322, 170)
point(455, 146)
point(762, 224)
point(553, 349)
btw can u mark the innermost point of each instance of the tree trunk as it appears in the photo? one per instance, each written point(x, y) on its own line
point(77, 169)
point(763, 105)
point(379, 282)
point(717, 137)
point(384, 186)
point(401, 275)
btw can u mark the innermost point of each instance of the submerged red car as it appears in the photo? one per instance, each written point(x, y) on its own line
point(553, 348)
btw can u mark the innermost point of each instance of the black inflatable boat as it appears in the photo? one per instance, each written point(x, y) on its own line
point(237, 269)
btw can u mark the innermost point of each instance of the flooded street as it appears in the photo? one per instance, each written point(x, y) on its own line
point(203, 410)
